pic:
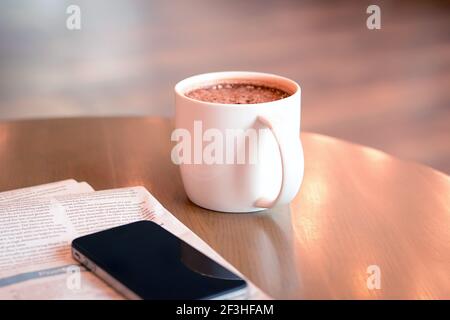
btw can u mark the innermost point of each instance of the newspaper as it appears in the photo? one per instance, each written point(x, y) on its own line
point(36, 233)
point(69, 186)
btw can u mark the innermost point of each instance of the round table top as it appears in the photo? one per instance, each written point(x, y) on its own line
point(360, 216)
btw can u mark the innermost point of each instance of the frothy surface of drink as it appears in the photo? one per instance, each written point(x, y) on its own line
point(237, 93)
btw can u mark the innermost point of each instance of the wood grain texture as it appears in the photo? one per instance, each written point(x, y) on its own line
point(386, 88)
point(357, 207)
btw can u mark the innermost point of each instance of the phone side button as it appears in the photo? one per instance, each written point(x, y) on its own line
point(90, 265)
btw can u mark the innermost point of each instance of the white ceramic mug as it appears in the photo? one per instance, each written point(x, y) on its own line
point(274, 178)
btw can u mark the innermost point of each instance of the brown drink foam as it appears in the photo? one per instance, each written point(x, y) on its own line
point(237, 93)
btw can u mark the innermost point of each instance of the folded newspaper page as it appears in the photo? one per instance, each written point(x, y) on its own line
point(45, 190)
point(36, 233)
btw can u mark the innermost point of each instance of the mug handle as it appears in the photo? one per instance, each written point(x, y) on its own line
point(292, 166)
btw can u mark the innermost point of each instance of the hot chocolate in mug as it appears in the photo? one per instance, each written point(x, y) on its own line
point(238, 157)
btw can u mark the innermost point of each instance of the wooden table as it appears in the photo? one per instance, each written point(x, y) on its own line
point(357, 207)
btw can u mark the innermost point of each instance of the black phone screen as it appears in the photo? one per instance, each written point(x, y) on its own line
point(152, 263)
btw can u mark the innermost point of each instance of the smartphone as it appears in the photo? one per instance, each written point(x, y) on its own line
point(141, 260)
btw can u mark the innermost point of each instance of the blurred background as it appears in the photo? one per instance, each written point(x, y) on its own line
point(387, 88)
